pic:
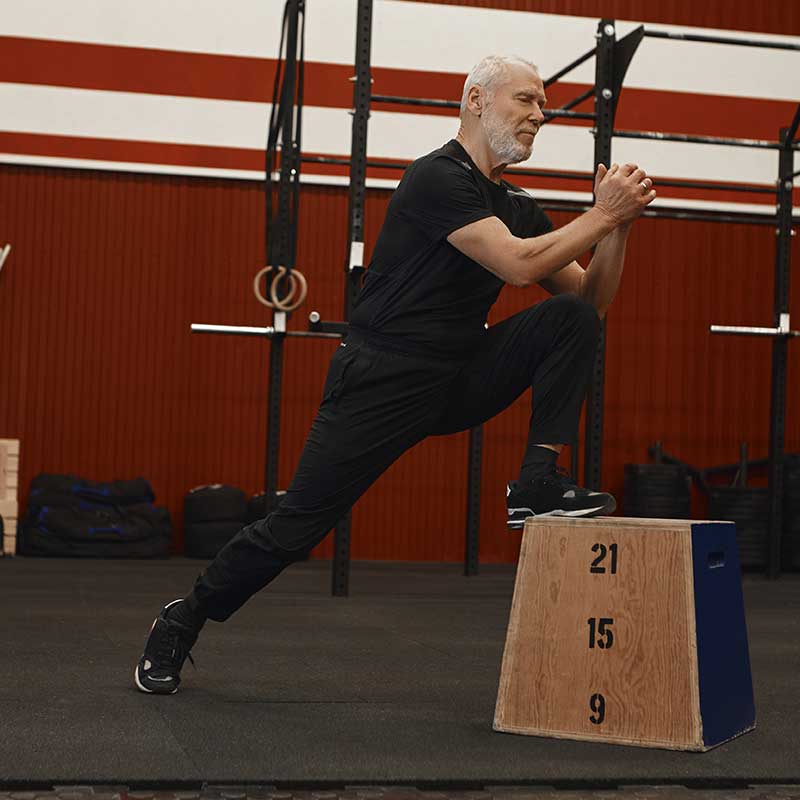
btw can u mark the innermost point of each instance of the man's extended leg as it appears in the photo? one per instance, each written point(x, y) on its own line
point(549, 347)
point(375, 406)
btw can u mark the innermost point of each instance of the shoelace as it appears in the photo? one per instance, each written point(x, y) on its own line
point(172, 650)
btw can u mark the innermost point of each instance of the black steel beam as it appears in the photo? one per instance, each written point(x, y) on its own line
point(576, 63)
point(414, 101)
point(791, 133)
point(712, 216)
point(716, 187)
point(579, 99)
point(559, 113)
point(362, 89)
point(274, 414)
point(472, 538)
point(285, 227)
point(584, 176)
point(780, 346)
point(354, 267)
point(604, 104)
point(281, 237)
point(340, 574)
point(693, 37)
point(682, 137)
point(421, 101)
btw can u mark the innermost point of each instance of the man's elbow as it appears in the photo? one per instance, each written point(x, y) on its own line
point(522, 263)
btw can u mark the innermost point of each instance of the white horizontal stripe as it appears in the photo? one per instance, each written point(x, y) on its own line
point(161, 118)
point(410, 35)
point(341, 180)
point(241, 28)
point(227, 123)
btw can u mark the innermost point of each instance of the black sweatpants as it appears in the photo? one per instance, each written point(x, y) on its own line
point(378, 403)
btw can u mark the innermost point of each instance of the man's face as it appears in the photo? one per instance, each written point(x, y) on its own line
point(513, 115)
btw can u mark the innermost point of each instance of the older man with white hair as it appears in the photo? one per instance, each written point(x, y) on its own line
point(419, 359)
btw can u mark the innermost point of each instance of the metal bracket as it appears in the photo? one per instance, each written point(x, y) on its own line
point(783, 329)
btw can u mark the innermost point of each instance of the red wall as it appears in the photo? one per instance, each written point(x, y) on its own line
point(102, 377)
point(769, 17)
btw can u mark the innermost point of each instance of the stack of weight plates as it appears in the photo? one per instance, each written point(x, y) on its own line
point(790, 555)
point(658, 491)
point(212, 516)
point(749, 509)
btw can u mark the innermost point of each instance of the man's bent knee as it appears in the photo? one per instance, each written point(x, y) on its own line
point(574, 307)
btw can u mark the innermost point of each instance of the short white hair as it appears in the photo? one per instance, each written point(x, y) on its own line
point(488, 73)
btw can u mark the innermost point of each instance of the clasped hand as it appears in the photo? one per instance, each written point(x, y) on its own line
point(623, 192)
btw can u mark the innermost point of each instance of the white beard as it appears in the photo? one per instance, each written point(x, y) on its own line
point(502, 140)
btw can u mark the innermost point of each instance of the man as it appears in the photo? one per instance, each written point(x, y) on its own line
point(418, 359)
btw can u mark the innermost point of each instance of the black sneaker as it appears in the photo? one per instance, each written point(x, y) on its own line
point(167, 647)
point(554, 495)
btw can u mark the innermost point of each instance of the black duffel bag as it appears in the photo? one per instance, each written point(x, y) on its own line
point(68, 516)
point(63, 490)
point(135, 531)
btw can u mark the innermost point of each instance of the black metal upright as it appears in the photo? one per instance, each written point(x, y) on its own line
point(474, 463)
point(362, 90)
point(612, 60)
point(354, 267)
point(604, 104)
point(780, 346)
point(281, 238)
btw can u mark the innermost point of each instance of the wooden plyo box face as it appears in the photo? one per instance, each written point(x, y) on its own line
point(601, 642)
point(9, 466)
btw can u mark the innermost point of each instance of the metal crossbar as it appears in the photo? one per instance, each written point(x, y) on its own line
point(695, 37)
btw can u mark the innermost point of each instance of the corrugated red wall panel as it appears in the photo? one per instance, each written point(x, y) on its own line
point(102, 377)
point(781, 18)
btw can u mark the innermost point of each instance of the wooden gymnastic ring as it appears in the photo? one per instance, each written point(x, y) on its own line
point(296, 278)
point(296, 281)
point(257, 288)
point(293, 285)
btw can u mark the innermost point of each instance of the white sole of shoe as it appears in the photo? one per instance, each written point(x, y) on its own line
point(556, 512)
point(144, 688)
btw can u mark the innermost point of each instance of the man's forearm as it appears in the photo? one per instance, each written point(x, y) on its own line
point(539, 257)
point(601, 279)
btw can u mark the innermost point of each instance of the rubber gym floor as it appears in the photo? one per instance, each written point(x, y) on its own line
point(388, 693)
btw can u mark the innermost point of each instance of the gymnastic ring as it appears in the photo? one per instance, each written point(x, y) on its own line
point(260, 297)
point(273, 290)
point(296, 278)
point(257, 289)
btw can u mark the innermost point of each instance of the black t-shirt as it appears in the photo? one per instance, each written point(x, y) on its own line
point(421, 291)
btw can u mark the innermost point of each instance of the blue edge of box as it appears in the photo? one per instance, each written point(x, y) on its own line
point(727, 707)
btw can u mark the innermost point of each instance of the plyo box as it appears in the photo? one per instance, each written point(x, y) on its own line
point(9, 511)
point(9, 482)
point(9, 468)
point(627, 631)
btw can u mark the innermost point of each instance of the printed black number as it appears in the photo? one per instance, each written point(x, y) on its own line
point(598, 705)
point(600, 628)
point(602, 551)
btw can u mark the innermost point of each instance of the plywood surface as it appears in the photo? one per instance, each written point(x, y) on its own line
point(560, 677)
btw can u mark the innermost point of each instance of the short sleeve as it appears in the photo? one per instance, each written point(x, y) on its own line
point(542, 224)
point(441, 196)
